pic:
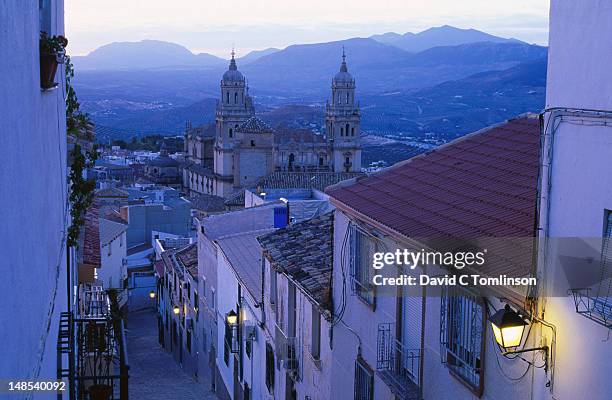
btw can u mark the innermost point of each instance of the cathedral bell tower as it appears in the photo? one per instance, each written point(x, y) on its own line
point(234, 108)
point(342, 119)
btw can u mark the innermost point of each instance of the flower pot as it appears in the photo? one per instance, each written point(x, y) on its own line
point(48, 69)
point(100, 392)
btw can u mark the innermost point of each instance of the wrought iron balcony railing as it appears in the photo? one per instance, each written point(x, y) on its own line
point(92, 352)
point(398, 366)
point(289, 352)
point(595, 308)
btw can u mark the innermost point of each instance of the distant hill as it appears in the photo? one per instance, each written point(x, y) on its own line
point(438, 36)
point(146, 54)
point(256, 54)
point(308, 69)
point(454, 108)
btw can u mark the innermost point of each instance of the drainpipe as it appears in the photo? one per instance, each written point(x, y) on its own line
point(548, 130)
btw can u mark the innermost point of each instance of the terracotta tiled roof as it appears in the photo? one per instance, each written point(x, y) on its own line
point(188, 256)
point(208, 203)
point(254, 125)
point(483, 184)
point(159, 268)
point(91, 237)
point(304, 252)
point(305, 180)
point(477, 190)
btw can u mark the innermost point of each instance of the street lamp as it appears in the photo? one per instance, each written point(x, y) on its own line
point(232, 322)
point(508, 328)
point(152, 294)
point(232, 318)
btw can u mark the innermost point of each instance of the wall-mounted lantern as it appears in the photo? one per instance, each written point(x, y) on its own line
point(508, 328)
point(176, 310)
point(232, 321)
point(152, 294)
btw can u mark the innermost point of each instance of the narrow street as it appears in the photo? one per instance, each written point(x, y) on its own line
point(153, 372)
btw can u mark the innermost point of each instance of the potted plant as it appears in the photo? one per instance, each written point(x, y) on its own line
point(52, 52)
point(100, 391)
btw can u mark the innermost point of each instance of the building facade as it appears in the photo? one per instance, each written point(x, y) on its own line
point(245, 149)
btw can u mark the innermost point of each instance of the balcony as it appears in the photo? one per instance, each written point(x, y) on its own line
point(93, 348)
point(288, 352)
point(398, 366)
point(596, 308)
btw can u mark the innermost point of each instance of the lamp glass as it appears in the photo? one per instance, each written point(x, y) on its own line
point(510, 336)
point(176, 309)
point(152, 294)
point(232, 318)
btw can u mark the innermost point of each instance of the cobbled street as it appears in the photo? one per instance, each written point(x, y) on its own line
point(153, 373)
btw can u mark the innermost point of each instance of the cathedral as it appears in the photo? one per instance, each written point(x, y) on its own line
point(240, 149)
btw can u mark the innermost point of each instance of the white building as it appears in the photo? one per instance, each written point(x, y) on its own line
point(420, 342)
point(113, 252)
point(34, 215)
point(577, 198)
point(298, 308)
point(210, 230)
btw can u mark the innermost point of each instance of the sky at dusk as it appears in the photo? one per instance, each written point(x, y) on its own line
point(213, 26)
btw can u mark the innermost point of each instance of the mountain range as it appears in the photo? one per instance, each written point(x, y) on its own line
point(443, 81)
point(439, 36)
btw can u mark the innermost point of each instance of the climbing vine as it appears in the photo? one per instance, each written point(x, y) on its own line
point(79, 128)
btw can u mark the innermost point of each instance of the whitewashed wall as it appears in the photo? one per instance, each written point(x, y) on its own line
point(112, 271)
point(580, 188)
point(33, 194)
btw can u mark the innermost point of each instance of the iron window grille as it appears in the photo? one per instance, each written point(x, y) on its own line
point(398, 365)
point(462, 335)
point(596, 303)
point(364, 381)
point(362, 249)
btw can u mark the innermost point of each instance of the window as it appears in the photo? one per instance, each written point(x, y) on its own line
point(347, 97)
point(189, 340)
point(248, 347)
point(315, 346)
point(269, 368)
point(227, 97)
point(462, 325)
point(231, 133)
point(353, 131)
point(227, 342)
point(341, 131)
point(44, 9)
point(235, 97)
point(363, 247)
point(252, 143)
point(347, 129)
point(364, 381)
point(272, 286)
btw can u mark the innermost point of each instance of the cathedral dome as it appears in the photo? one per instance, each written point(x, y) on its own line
point(343, 76)
point(232, 74)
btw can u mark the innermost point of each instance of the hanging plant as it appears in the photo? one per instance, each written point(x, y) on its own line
point(52, 52)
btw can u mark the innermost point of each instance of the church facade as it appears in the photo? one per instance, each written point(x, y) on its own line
point(240, 149)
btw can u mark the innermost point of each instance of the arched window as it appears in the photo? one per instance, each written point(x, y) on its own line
point(347, 129)
point(341, 131)
point(347, 97)
point(231, 133)
point(236, 98)
point(353, 131)
point(227, 97)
